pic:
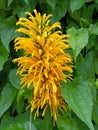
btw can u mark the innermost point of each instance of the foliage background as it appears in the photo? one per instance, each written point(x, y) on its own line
point(79, 19)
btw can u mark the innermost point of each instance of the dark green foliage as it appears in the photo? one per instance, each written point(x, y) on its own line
point(79, 19)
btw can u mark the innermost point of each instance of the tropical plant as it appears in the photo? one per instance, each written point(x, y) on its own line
point(46, 62)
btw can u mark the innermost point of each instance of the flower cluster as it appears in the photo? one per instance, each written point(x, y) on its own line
point(44, 64)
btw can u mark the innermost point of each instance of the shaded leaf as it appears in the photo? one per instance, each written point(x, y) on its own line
point(97, 83)
point(22, 122)
point(46, 123)
point(26, 1)
point(77, 4)
point(19, 126)
point(9, 2)
point(20, 11)
point(14, 78)
point(3, 56)
point(8, 31)
point(29, 6)
point(96, 1)
point(59, 11)
point(24, 117)
point(92, 41)
point(95, 111)
point(52, 3)
point(87, 14)
point(93, 29)
point(78, 96)
point(65, 123)
point(96, 127)
point(84, 65)
point(81, 125)
point(3, 4)
point(96, 65)
point(7, 97)
point(78, 39)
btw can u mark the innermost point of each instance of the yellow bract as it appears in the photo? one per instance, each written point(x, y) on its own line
point(44, 64)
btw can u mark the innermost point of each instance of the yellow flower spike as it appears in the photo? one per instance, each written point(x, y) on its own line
point(45, 63)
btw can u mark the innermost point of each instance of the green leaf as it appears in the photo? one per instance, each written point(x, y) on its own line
point(96, 83)
point(93, 29)
point(95, 111)
point(65, 123)
point(78, 96)
point(20, 11)
point(7, 97)
point(52, 3)
point(59, 11)
point(46, 123)
point(96, 46)
point(96, 1)
point(81, 125)
point(85, 65)
point(87, 14)
point(96, 65)
point(77, 4)
point(92, 41)
point(8, 27)
point(20, 106)
point(3, 4)
point(24, 117)
point(22, 122)
point(9, 2)
point(14, 78)
point(3, 56)
point(29, 5)
point(27, 2)
point(96, 5)
point(19, 126)
point(92, 86)
point(96, 127)
point(78, 39)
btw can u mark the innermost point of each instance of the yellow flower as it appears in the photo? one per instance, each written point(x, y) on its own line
point(44, 64)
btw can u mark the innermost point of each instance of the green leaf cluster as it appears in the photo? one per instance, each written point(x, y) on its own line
point(79, 19)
